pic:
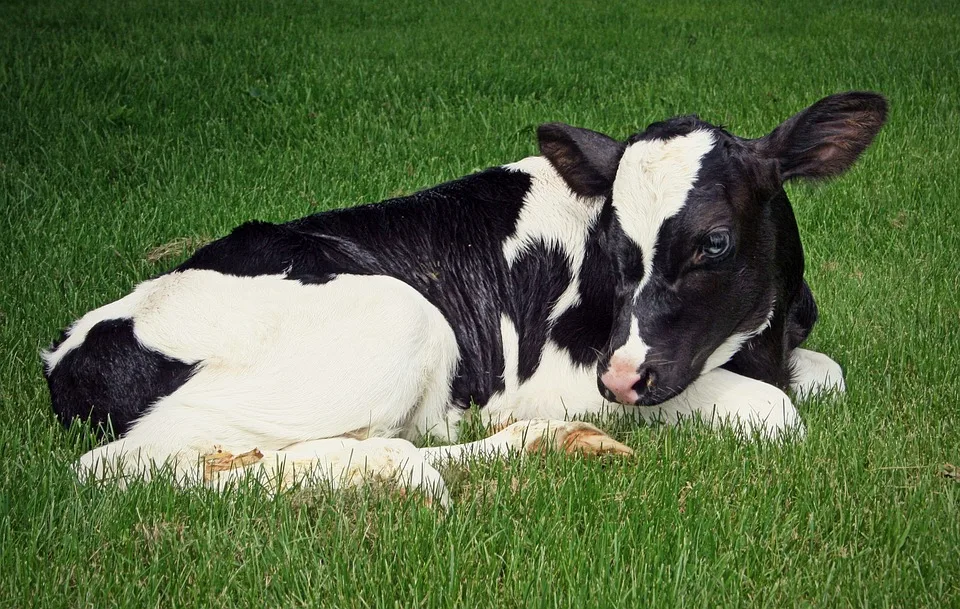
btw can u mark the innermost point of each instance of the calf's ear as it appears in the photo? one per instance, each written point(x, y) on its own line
point(825, 139)
point(586, 160)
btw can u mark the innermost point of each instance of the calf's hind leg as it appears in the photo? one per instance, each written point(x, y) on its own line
point(343, 462)
point(331, 360)
point(339, 463)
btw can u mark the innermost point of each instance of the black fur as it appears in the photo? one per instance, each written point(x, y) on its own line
point(111, 379)
point(671, 128)
point(801, 318)
point(583, 330)
point(765, 357)
point(537, 280)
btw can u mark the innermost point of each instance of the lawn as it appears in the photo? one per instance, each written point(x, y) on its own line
point(127, 126)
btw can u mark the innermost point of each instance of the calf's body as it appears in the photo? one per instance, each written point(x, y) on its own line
point(538, 291)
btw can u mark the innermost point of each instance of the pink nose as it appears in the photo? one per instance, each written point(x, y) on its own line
point(620, 380)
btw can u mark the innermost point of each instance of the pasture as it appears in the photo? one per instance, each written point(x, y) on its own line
point(130, 135)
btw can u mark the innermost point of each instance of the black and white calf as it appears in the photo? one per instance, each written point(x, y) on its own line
point(663, 273)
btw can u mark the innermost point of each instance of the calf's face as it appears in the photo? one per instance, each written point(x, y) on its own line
point(689, 228)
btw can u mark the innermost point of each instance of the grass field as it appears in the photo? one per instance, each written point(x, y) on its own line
point(125, 126)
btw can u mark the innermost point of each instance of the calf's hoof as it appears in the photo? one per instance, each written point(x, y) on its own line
point(568, 436)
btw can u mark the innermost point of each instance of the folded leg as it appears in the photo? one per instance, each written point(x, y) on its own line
point(815, 373)
point(335, 463)
point(531, 436)
point(721, 397)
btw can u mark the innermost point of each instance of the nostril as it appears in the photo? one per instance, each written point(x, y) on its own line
point(648, 380)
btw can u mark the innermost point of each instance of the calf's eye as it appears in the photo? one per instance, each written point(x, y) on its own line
point(716, 245)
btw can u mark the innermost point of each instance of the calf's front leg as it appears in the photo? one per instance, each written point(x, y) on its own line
point(531, 436)
point(814, 373)
point(721, 397)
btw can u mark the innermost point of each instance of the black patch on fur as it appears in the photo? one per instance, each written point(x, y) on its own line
point(583, 330)
point(538, 279)
point(111, 379)
point(763, 357)
point(261, 248)
point(671, 128)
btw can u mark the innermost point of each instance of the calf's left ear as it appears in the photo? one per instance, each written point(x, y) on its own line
point(586, 160)
point(825, 139)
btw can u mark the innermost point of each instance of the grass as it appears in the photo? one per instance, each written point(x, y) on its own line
point(125, 126)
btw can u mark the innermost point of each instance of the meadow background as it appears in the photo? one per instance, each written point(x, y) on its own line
point(126, 126)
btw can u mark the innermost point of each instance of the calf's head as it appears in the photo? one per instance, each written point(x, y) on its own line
point(698, 231)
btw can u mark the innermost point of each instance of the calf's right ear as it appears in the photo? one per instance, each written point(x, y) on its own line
point(586, 160)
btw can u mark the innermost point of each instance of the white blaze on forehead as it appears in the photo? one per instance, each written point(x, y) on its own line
point(652, 184)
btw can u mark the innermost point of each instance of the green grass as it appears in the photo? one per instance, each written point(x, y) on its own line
point(124, 127)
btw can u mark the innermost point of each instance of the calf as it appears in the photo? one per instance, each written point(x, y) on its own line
point(663, 273)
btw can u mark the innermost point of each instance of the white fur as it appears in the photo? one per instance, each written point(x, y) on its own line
point(554, 216)
point(653, 180)
point(559, 388)
point(721, 397)
point(815, 373)
point(332, 462)
point(517, 437)
point(343, 462)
